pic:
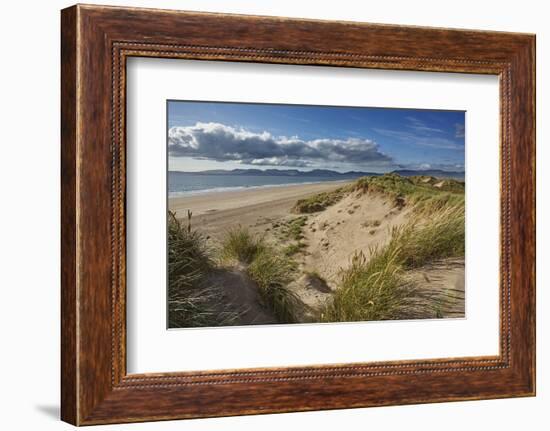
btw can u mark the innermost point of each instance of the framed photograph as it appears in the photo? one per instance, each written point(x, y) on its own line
point(266, 215)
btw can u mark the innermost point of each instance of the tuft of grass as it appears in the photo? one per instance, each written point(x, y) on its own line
point(320, 201)
point(241, 245)
point(272, 272)
point(292, 249)
point(294, 228)
point(371, 290)
point(271, 269)
point(191, 301)
point(437, 202)
point(376, 289)
point(421, 242)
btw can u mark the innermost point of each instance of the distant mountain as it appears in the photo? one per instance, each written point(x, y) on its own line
point(325, 173)
point(438, 173)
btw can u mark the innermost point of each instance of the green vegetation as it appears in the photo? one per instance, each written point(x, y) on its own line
point(430, 204)
point(270, 269)
point(240, 245)
point(396, 185)
point(374, 288)
point(191, 301)
point(370, 290)
point(292, 249)
point(194, 301)
point(403, 190)
point(377, 288)
point(426, 193)
point(320, 201)
point(294, 228)
point(272, 272)
point(420, 242)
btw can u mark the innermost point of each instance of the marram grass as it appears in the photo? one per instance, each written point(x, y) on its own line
point(272, 272)
point(240, 245)
point(376, 289)
point(271, 269)
point(192, 302)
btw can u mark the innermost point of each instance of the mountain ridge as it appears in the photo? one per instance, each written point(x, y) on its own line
point(322, 173)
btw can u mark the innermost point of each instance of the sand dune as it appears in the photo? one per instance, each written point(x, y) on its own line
point(359, 222)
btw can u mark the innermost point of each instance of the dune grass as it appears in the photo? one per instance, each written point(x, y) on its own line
point(373, 288)
point(270, 268)
point(191, 301)
point(377, 289)
point(240, 245)
point(272, 272)
point(424, 193)
point(415, 186)
point(294, 228)
point(320, 201)
point(294, 248)
point(409, 190)
point(422, 241)
point(370, 290)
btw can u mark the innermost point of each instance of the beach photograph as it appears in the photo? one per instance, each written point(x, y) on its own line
point(289, 214)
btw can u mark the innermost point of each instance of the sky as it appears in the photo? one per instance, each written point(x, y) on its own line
point(215, 135)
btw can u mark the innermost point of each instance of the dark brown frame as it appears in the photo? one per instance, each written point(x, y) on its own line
point(96, 41)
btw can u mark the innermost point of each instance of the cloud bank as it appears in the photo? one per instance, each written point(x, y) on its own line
point(220, 142)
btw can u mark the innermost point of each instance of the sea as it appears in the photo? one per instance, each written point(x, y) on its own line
point(188, 184)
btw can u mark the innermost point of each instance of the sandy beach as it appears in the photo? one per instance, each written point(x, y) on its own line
point(321, 243)
point(256, 208)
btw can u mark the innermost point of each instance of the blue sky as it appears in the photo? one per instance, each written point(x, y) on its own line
point(214, 135)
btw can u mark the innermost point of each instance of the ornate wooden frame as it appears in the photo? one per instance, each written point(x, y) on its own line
point(96, 41)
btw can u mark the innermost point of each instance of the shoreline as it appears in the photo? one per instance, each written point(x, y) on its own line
point(255, 208)
point(191, 193)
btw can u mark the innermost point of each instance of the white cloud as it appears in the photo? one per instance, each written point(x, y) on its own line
point(220, 142)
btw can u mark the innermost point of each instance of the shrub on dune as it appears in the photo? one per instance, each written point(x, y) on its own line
point(191, 301)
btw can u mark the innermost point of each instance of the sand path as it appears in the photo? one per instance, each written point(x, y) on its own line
point(241, 296)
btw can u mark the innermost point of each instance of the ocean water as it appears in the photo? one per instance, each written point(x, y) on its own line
point(186, 184)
